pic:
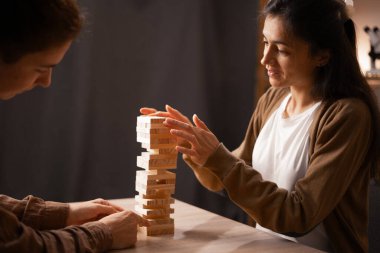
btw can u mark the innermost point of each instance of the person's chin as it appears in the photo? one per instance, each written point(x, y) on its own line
point(276, 83)
point(9, 95)
point(6, 96)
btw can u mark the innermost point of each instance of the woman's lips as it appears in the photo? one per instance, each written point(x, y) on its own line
point(273, 73)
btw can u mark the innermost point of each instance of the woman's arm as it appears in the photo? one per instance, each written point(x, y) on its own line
point(339, 153)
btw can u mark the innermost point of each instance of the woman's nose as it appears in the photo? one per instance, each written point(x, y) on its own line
point(266, 57)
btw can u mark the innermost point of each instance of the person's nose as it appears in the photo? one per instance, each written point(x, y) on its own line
point(45, 79)
point(267, 56)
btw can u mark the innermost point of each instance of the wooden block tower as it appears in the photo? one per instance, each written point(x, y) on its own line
point(155, 184)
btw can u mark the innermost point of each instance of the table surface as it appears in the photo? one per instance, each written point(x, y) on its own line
point(198, 230)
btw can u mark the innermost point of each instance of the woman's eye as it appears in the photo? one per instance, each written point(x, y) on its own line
point(281, 51)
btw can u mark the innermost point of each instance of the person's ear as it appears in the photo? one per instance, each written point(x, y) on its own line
point(323, 58)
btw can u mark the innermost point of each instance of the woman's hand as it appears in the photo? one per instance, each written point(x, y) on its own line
point(203, 142)
point(92, 210)
point(123, 226)
point(170, 113)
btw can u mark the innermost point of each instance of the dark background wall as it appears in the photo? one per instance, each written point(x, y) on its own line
point(77, 140)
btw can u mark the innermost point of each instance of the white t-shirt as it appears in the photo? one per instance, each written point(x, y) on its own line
point(281, 156)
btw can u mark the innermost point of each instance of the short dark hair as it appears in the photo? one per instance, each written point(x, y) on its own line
point(325, 25)
point(28, 26)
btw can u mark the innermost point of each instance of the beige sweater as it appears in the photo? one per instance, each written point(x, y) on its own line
point(334, 190)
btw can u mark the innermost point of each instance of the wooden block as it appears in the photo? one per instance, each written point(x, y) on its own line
point(143, 189)
point(149, 130)
point(162, 151)
point(161, 221)
point(158, 160)
point(158, 145)
point(150, 188)
point(149, 155)
point(150, 119)
point(167, 229)
point(156, 139)
point(153, 203)
point(159, 227)
point(158, 181)
point(167, 187)
point(151, 136)
point(153, 213)
point(150, 126)
point(151, 177)
point(154, 164)
point(156, 195)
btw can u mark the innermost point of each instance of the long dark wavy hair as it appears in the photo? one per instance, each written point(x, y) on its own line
point(325, 25)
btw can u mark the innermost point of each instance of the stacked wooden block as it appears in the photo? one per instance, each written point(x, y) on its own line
point(155, 184)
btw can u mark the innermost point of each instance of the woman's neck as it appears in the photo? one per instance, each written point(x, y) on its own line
point(300, 101)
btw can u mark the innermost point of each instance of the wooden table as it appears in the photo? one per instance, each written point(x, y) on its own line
point(200, 231)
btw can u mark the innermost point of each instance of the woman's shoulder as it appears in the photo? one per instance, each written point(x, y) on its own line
point(349, 106)
point(351, 112)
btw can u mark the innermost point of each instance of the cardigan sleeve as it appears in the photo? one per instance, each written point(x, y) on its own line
point(18, 237)
point(37, 213)
point(205, 175)
point(339, 153)
point(244, 152)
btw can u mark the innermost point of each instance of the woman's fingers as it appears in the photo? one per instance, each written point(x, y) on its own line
point(169, 113)
point(185, 135)
point(147, 110)
point(176, 124)
point(160, 114)
point(186, 151)
point(177, 114)
point(153, 112)
point(199, 123)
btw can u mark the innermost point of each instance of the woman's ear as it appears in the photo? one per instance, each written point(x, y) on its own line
point(323, 58)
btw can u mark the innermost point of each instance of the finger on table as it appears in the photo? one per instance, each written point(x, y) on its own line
point(142, 222)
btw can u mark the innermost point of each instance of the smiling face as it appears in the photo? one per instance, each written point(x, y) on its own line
point(31, 70)
point(287, 58)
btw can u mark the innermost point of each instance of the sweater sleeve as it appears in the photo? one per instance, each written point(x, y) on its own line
point(339, 152)
point(37, 213)
point(206, 176)
point(17, 237)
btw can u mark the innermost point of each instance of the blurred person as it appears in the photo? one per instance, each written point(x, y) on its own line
point(34, 37)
